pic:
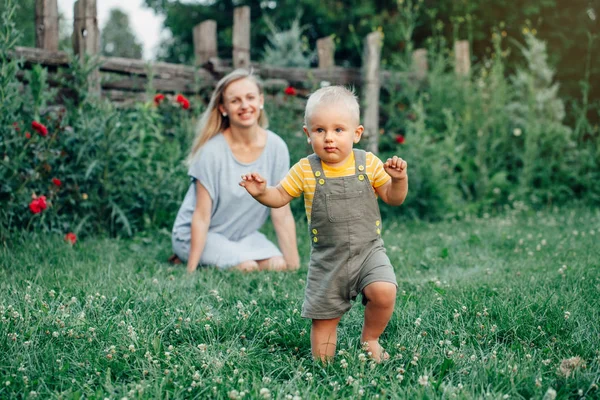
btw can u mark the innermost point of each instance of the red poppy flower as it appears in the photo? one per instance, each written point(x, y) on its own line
point(290, 91)
point(400, 139)
point(38, 205)
point(39, 128)
point(185, 103)
point(28, 135)
point(71, 238)
point(159, 98)
point(56, 181)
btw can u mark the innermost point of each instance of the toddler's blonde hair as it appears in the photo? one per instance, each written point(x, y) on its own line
point(332, 95)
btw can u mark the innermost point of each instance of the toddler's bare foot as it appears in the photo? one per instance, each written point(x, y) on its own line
point(375, 351)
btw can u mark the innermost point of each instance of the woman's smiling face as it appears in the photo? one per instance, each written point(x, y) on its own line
point(242, 101)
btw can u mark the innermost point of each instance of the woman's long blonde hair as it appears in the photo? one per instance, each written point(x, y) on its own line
point(212, 122)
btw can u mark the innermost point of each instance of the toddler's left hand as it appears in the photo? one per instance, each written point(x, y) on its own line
point(396, 167)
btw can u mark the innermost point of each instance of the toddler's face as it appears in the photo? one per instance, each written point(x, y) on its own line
point(332, 131)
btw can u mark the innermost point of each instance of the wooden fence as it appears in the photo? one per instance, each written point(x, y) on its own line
point(120, 79)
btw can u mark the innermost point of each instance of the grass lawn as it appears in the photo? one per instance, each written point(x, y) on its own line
point(505, 307)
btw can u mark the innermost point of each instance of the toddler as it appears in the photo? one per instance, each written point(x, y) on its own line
point(340, 186)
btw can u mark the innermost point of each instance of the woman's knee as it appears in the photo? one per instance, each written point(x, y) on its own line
point(276, 263)
point(247, 266)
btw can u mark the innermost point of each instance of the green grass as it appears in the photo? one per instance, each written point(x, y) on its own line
point(485, 306)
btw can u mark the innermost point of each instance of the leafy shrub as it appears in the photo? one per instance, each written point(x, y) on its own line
point(287, 48)
point(96, 167)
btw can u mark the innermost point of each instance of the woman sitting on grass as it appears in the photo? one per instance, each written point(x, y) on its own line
point(218, 222)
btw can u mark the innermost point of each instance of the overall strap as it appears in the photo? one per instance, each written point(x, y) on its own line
point(360, 161)
point(315, 165)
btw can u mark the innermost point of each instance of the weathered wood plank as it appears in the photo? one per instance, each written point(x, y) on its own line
point(326, 51)
point(241, 37)
point(462, 58)
point(420, 64)
point(371, 87)
point(46, 24)
point(205, 41)
point(163, 72)
point(86, 36)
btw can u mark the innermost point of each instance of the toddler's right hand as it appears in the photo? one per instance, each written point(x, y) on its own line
point(254, 184)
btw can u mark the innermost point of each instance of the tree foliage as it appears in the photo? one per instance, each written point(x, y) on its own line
point(117, 39)
point(563, 25)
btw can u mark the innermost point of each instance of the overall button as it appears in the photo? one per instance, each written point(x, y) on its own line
point(318, 173)
point(377, 223)
point(361, 168)
point(378, 231)
point(361, 177)
point(322, 181)
point(314, 231)
point(315, 239)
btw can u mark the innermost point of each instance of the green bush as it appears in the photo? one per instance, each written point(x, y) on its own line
point(87, 166)
point(483, 141)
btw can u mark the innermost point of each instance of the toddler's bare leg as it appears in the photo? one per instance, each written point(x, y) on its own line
point(323, 338)
point(381, 298)
point(247, 266)
point(276, 263)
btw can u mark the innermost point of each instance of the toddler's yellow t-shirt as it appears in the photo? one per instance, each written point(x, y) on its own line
point(301, 179)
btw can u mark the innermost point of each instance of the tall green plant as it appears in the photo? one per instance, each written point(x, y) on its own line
point(287, 48)
point(538, 112)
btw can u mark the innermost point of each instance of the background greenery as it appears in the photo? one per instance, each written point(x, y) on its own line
point(500, 138)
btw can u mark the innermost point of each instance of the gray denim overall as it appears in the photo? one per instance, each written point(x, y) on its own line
point(347, 251)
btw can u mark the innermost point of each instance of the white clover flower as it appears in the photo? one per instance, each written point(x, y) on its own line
point(550, 394)
point(423, 380)
point(418, 322)
point(517, 132)
point(265, 393)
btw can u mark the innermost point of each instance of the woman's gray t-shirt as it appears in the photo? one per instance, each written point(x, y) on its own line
point(235, 214)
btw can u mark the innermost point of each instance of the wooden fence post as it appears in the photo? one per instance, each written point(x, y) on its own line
point(241, 37)
point(325, 51)
point(86, 36)
point(420, 65)
point(205, 41)
point(371, 60)
point(46, 24)
point(462, 57)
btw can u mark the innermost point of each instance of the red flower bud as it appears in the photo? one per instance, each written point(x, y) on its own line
point(159, 98)
point(71, 238)
point(28, 135)
point(400, 139)
point(38, 205)
point(185, 103)
point(56, 181)
point(39, 128)
point(290, 91)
